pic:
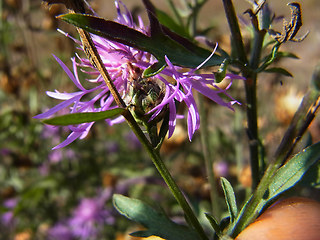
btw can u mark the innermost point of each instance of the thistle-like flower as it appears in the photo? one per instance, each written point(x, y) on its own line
point(150, 97)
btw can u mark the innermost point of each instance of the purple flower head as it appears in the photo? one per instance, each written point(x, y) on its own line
point(60, 232)
point(112, 147)
point(133, 141)
point(87, 220)
point(90, 216)
point(7, 219)
point(151, 96)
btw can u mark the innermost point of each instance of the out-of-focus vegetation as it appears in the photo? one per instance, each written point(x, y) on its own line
point(44, 190)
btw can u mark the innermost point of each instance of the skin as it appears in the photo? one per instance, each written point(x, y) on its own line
point(290, 219)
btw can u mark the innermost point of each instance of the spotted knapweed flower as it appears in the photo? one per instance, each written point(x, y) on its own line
point(151, 96)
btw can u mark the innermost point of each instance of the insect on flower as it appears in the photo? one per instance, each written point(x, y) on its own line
point(144, 93)
point(148, 98)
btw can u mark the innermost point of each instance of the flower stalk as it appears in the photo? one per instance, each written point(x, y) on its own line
point(165, 174)
point(250, 84)
point(95, 59)
point(145, 100)
point(252, 111)
point(92, 53)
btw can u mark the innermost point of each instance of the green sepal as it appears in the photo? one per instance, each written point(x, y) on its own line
point(156, 223)
point(85, 117)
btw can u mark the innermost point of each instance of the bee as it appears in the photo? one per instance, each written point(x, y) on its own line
point(145, 93)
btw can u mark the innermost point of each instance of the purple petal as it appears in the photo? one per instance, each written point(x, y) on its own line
point(172, 118)
point(73, 136)
point(73, 77)
point(57, 107)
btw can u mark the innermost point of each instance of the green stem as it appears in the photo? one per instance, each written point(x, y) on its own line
point(208, 156)
point(92, 53)
point(248, 213)
point(250, 84)
point(251, 98)
point(165, 174)
point(301, 120)
point(235, 31)
point(176, 13)
point(193, 18)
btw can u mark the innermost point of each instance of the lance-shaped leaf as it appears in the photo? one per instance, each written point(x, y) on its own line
point(214, 223)
point(285, 178)
point(270, 58)
point(170, 23)
point(288, 175)
point(276, 55)
point(84, 117)
point(157, 223)
point(278, 70)
point(230, 198)
point(312, 177)
point(161, 43)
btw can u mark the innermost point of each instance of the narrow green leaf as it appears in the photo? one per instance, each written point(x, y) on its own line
point(170, 23)
point(285, 178)
point(279, 70)
point(179, 50)
point(275, 55)
point(78, 118)
point(214, 223)
point(108, 29)
point(157, 223)
point(312, 177)
point(286, 55)
point(270, 58)
point(289, 174)
point(230, 198)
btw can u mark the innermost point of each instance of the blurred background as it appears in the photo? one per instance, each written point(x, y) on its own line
point(43, 192)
